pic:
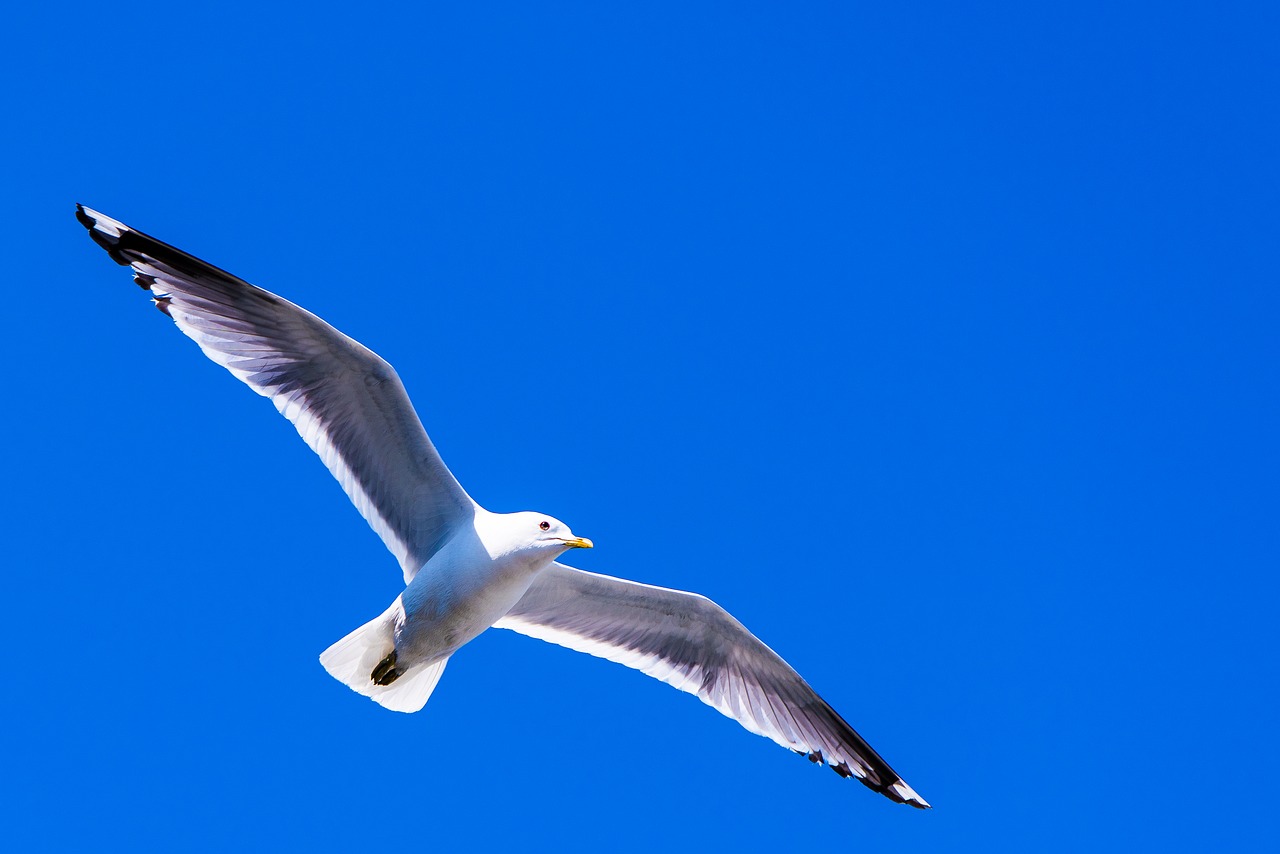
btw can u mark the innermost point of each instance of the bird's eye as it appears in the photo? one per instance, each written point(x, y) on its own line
point(544, 525)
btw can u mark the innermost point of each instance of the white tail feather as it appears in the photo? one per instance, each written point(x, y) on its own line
point(351, 661)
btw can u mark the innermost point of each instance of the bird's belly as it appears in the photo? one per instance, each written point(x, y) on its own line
point(447, 610)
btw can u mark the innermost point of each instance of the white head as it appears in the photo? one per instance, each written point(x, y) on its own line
point(536, 534)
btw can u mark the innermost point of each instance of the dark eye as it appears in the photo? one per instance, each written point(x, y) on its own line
point(544, 525)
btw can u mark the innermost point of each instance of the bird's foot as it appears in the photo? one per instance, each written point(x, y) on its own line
point(385, 673)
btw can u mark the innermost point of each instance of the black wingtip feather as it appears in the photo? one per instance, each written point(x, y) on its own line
point(133, 245)
point(106, 241)
point(109, 243)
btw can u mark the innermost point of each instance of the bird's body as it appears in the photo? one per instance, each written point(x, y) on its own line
point(476, 576)
point(467, 569)
point(467, 586)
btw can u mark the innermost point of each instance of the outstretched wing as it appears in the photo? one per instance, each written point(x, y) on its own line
point(690, 642)
point(346, 402)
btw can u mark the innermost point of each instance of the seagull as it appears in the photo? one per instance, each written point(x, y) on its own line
point(467, 569)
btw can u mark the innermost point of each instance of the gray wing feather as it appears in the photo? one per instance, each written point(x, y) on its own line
point(690, 642)
point(346, 403)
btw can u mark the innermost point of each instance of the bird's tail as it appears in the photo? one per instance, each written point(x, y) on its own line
point(365, 661)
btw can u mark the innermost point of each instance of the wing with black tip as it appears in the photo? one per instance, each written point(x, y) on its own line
point(693, 644)
point(345, 401)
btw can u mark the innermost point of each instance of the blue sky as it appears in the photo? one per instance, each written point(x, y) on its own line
point(938, 345)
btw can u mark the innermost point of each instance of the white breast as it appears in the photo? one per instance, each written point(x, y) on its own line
point(464, 589)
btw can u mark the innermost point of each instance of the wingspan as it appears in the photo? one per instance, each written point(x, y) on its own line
point(345, 401)
point(690, 642)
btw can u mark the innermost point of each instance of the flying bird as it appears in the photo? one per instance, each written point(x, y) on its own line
point(467, 569)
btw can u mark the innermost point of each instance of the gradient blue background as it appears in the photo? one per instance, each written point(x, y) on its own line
point(938, 345)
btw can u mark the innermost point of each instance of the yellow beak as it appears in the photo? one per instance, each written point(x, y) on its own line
point(580, 543)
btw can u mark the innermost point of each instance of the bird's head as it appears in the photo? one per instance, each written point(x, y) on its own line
point(538, 533)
